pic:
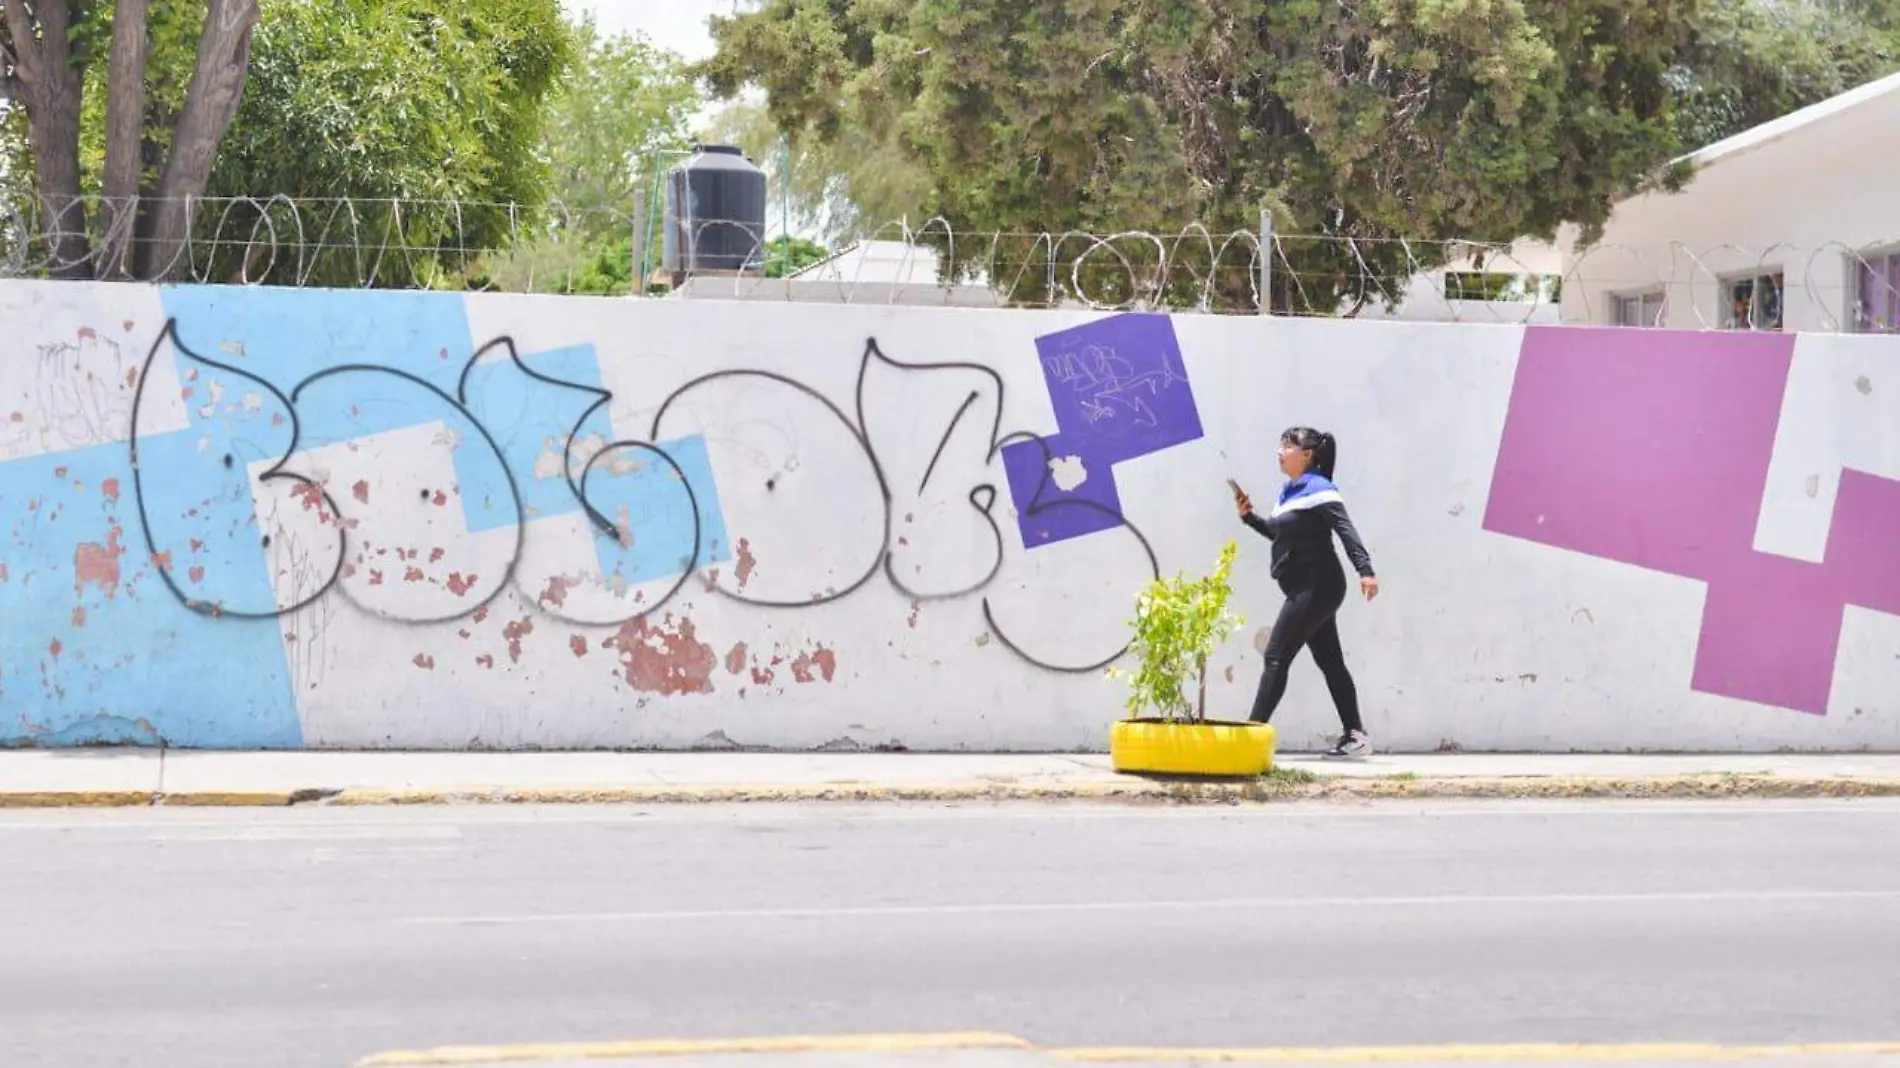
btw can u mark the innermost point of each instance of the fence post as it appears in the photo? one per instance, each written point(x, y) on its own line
point(639, 241)
point(1266, 261)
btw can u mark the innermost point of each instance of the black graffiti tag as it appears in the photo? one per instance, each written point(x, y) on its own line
point(578, 477)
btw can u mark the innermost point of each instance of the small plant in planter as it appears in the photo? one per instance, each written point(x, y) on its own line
point(1178, 624)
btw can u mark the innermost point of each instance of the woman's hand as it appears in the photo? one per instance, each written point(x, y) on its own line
point(1369, 586)
point(1243, 504)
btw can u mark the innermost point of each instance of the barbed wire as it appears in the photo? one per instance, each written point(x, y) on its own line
point(556, 248)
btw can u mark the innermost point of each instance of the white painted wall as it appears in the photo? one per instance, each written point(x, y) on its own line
point(1480, 641)
point(1801, 195)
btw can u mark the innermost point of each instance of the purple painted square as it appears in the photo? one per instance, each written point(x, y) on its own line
point(1055, 520)
point(1119, 386)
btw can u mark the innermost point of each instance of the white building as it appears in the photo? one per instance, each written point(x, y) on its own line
point(1788, 226)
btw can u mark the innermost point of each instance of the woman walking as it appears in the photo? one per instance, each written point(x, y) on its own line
point(1301, 526)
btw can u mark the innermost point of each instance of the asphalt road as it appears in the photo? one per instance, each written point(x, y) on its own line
point(312, 937)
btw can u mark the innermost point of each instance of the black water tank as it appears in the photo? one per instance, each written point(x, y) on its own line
point(715, 213)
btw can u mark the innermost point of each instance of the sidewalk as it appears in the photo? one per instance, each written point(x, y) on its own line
point(134, 777)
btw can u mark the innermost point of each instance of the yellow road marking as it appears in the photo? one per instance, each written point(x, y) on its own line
point(576, 1051)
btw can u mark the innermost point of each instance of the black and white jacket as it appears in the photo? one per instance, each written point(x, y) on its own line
point(1301, 526)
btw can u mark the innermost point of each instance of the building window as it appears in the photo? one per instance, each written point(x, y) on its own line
point(1503, 288)
point(1752, 302)
point(1640, 309)
point(1876, 293)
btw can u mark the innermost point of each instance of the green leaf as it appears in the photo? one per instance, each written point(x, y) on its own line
point(1177, 625)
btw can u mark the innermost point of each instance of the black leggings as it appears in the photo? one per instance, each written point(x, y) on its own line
point(1308, 620)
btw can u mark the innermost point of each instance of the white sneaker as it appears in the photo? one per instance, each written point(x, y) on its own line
point(1352, 746)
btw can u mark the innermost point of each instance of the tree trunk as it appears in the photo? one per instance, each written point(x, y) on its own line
point(1201, 704)
point(211, 102)
point(49, 87)
point(125, 132)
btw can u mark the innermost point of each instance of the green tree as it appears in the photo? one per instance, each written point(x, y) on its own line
point(851, 187)
point(1756, 60)
point(619, 119)
point(159, 145)
point(407, 131)
point(1382, 122)
point(622, 111)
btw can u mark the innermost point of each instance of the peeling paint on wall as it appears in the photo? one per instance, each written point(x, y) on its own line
point(667, 658)
point(97, 565)
point(822, 661)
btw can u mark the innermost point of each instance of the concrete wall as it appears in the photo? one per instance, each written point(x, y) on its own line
point(429, 520)
point(1805, 195)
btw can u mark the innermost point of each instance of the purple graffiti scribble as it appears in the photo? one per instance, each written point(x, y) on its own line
point(1652, 448)
point(1120, 390)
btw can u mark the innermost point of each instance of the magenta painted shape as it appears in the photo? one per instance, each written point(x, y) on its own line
point(1645, 446)
point(1863, 545)
point(1652, 448)
point(1770, 628)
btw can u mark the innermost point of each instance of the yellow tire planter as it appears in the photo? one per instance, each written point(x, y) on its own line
point(1209, 747)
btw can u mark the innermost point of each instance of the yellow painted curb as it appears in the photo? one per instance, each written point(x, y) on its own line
point(231, 799)
point(1515, 1053)
point(579, 1051)
point(77, 799)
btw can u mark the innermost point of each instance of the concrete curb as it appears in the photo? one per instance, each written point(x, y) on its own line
point(1131, 790)
point(156, 799)
point(1508, 1053)
point(674, 1048)
point(898, 1045)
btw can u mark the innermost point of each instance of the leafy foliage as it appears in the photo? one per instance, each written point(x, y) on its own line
point(172, 26)
point(620, 118)
point(786, 255)
point(1374, 120)
point(1177, 626)
point(1503, 286)
point(1756, 60)
point(16, 168)
point(849, 188)
point(438, 103)
point(622, 109)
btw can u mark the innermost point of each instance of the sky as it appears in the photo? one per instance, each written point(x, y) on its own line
point(678, 25)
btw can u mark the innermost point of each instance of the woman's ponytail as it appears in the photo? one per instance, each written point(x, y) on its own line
point(1326, 455)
